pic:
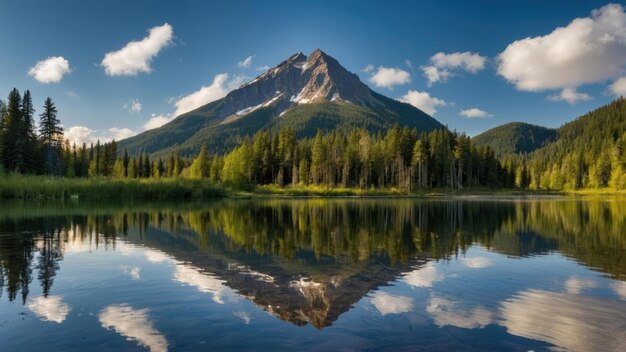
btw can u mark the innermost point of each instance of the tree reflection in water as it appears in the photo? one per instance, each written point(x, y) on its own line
point(308, 261)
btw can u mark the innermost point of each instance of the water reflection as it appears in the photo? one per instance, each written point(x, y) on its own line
point(51, 308)
point(134, 324)
point(309, 262)
point(571, 321)
point(448, 312)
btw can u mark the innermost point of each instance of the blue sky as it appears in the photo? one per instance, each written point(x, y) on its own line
point(204, 40)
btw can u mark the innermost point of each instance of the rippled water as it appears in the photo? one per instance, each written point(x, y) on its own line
point(473, 274)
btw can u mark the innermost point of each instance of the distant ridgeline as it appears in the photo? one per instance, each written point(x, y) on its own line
point(516, 137)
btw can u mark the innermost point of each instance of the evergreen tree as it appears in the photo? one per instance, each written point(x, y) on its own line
point(51, 135)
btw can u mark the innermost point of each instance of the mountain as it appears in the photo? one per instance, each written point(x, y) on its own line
point(305, 93)
point(516, 137)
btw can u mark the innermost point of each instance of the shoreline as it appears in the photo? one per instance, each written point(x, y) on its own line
point(102, 188)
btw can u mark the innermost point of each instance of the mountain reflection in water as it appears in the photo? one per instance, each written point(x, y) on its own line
point(310, 261)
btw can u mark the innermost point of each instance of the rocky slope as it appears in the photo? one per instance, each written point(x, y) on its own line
point(306, 93)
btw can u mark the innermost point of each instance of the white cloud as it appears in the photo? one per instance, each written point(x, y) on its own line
point(391, 304)
point(50, 70)
point(476, 262)
point(82, 134)
point(620, 288)
point(246, 63)
point(568, 321)
point(158, 121)
point(574, 285)
point(119, 133)
point(618, 88)
point(443, 66)
point(263, 68)
point(422, 101)
point(204, 282)
point(446, 312)
point(388, 77)
point(369, 68)
point(49, 308)
point(135, 57)
point(220, 86)
point(79, 135)
point(243, 316)
point(424, 276)
point(72, 94)
point(587, 50)
point(133, 271)
point(155, 256)
point(133, 105)
point(569, 95)
point(475, 113)
point(134, 324)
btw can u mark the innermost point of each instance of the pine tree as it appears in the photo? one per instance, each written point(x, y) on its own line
point(13, 146)
point(51, 135)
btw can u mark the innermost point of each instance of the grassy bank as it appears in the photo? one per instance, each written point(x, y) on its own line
point(100, 188)
point(44, 187)
point(323, 191)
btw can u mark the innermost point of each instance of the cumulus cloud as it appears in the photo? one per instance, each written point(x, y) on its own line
point(158, 120)
point(443, 66)
point(569, 95)
point(618, 88)
point(568, 321)
point(475, 113)
point(387, 303)
point(369, 68)
point(81, 134)
point(119, 133)
point(389, 77)
point(424, 276)
point(136, 56)
point(50, 70)
point(587, 50)
point(574, 285)
point(204, 282)
point(134, 324)
point(49, 308)
point(220, 86)
point(422, 101)
point(246, 63)
point(133, 105)
point(446, 312)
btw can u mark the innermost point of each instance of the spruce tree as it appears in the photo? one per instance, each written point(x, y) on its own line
point(51, 135)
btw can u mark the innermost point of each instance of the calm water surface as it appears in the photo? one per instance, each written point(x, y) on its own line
point(474, 274)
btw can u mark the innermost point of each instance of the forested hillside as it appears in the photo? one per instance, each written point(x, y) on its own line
point(516, 137)
point(588, 153)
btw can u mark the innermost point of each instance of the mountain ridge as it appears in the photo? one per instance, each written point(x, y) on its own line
point(306, 93)
point(516, 137)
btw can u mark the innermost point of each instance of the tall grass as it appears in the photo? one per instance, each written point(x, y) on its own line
point(14, 186)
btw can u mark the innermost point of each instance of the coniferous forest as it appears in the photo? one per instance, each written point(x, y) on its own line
point(588, 153)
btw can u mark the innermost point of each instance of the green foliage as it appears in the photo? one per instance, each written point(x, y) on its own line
point(589, 153)
point(516, 137)
point(44, 187)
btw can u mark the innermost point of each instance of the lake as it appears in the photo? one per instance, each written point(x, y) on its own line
point(364, 274)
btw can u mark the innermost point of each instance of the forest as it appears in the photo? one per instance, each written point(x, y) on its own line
point(589, 153)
